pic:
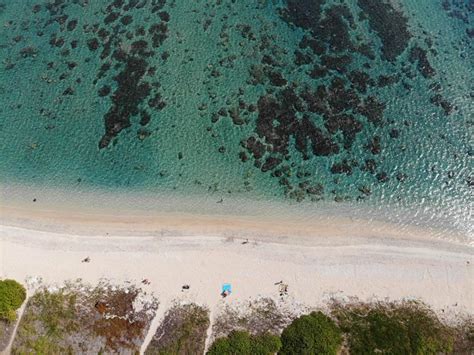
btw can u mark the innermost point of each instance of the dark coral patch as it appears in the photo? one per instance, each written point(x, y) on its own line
point(390, 24)
point(131, 91)
point(419, 55)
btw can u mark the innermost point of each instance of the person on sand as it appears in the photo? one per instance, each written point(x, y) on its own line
point(283, 289)
point(86, 260)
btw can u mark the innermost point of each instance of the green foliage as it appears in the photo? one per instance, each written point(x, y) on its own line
point(56, 310)
point(242, 343)
point(311, 334)
point(12, 296)
point(45, 345)
point(183, 331)
point(407, 328)
point(49, 316)
point(265, 344)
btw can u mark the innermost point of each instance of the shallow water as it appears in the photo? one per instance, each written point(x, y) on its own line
point(246, 99)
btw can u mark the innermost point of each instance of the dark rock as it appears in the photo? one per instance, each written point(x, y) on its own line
point(71, 25)
point(276, 78)
point(394, 133)
point(401, 177)
point(104, 91)
point(374, 145)
point(68, 91)
point(28, 52)
point(243, 157)
point(372, 109)
point(126, 20)
point(270, 164)
point(341, 168)
point(369, 166)
point(93, 44)
point(440, 101)
point(424, 67)
point(382, 176)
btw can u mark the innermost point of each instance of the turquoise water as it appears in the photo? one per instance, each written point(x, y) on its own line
point(356, 101)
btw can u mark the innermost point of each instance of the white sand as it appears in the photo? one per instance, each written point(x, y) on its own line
point(440, 274)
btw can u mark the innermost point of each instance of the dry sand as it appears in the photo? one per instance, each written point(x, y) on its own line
point(338, 259)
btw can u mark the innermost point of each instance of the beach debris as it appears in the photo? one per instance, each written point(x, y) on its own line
point(34, 200)
point(185, 287)
point(146, 282)
point(226, 290)
point(86, 260)
point(220, 201)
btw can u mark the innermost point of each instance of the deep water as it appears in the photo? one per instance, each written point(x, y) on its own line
point(360, 101)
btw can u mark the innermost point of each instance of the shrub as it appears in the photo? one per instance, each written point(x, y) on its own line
point(464, 336)
point(311, 334)
point(242, 343)
point(407, 328)
point(183, 331)
point(12, 296)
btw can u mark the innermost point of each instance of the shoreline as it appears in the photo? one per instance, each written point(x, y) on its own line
point(277, 229)
point(35, 202)
point(104, 214)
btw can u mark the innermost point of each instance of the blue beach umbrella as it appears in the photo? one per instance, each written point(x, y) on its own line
point(227, 288)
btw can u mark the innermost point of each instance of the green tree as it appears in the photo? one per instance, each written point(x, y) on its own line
point(311, 334)
point(242, 343)
point(398, 329)
point(12, 296)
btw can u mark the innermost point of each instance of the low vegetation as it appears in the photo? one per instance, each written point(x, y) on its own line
point(77, 318)
point(256, 317)
point(183, 331)
point(393, 328)
point(12, 296)
point(464, 340)
point(81, 319)
point(409, 328)
point(314, 333)
point(243, 343)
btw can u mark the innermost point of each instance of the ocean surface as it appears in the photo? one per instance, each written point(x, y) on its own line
point(363, 104)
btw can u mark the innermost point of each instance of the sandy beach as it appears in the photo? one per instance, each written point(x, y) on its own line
point(297, 150)
point(337, 260)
